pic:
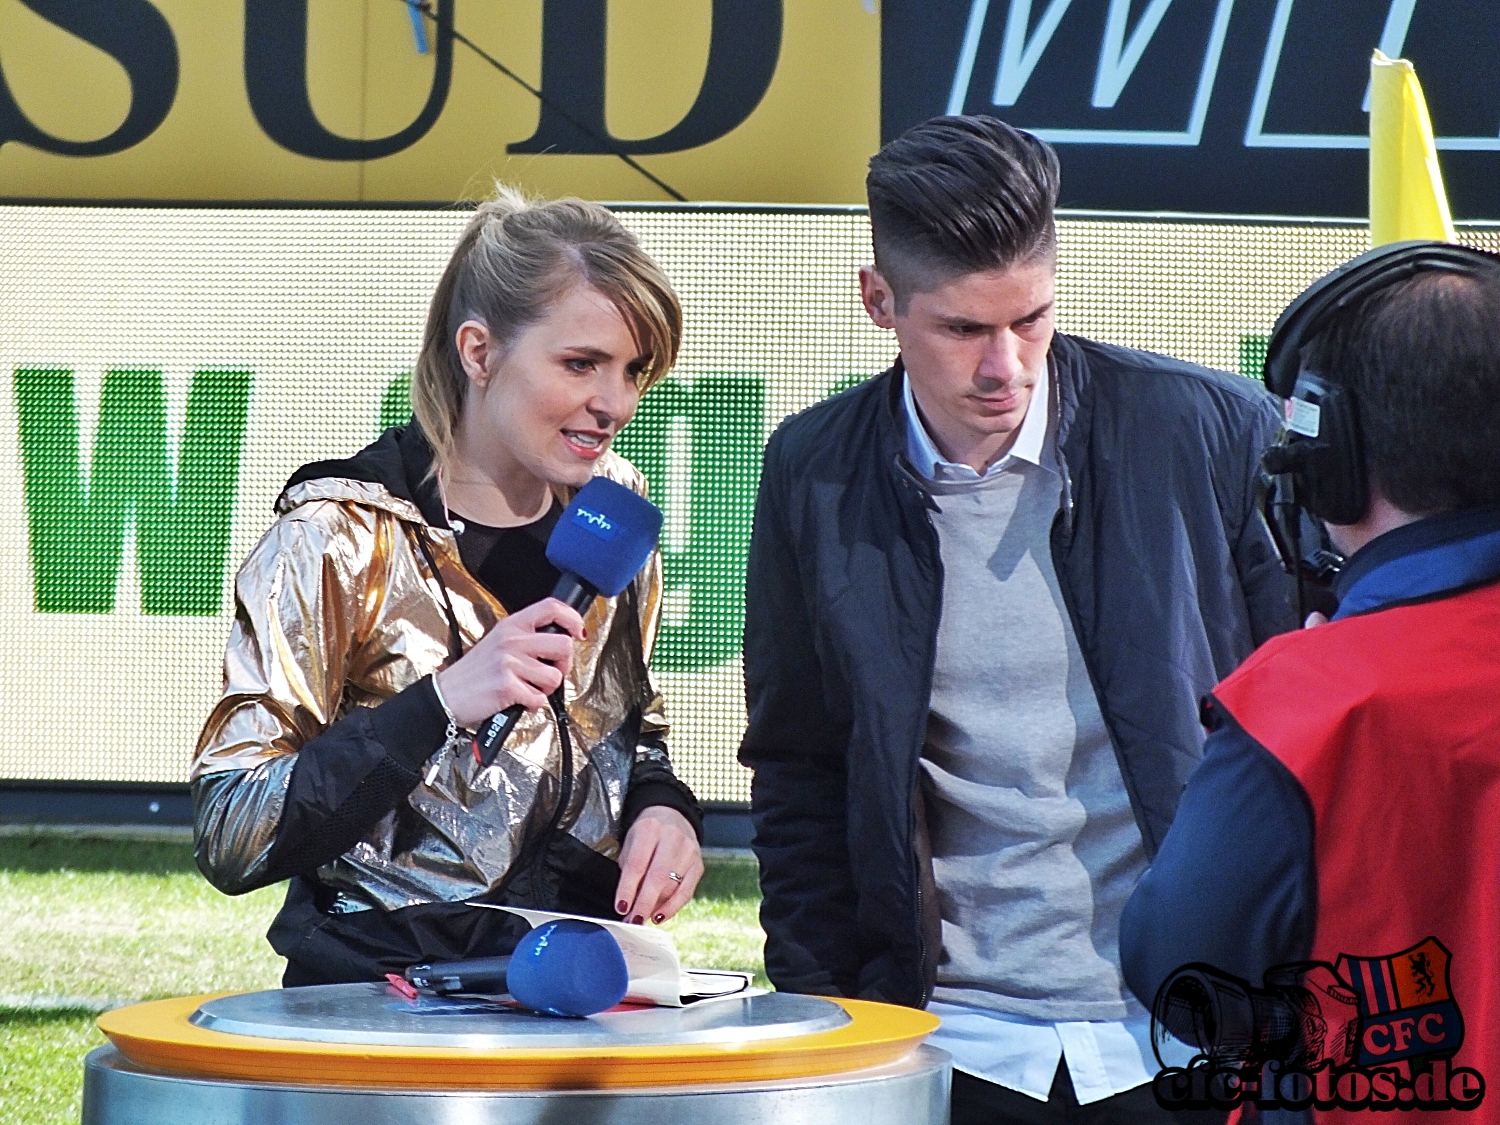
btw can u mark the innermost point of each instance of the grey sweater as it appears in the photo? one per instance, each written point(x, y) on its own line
point(1035, 848)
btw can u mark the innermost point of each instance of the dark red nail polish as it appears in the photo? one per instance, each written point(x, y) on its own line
point(621, 906)
point(637, 920)
point(659, 919)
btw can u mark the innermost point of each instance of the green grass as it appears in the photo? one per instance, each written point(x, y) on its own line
point(104, 921)
point(41, 1065)
point(93, 923)
point(720, 928)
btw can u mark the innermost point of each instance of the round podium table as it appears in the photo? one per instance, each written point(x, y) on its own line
point(362, 1053)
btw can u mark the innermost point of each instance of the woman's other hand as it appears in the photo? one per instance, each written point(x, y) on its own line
point(513, 663)
point(661, 843)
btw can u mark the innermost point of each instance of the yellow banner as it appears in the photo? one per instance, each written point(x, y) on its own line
point(1407, 199)
point(360, 100)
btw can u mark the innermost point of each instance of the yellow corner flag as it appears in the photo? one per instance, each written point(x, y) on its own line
point(1406, 187)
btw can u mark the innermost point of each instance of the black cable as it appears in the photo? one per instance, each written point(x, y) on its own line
point(455, 637)
point(1296, 503)
point(425, 7)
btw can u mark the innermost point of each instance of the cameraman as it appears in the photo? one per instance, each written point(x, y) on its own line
point(1348, 801)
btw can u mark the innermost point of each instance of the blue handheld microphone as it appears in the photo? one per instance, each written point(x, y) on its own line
point(568, 968)
point(600, 543)
point(564, 968)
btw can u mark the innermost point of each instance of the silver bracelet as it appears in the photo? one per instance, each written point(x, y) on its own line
point(443, 703)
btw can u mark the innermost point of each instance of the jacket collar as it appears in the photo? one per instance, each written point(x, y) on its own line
point(892, 414)
point(393, 473)
point(1434, 557)
point(1074, 404)
point(1070, 373)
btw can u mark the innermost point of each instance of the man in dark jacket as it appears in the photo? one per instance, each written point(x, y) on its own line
point(986, 590)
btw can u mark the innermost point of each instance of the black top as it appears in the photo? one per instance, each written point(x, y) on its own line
point(510, 562)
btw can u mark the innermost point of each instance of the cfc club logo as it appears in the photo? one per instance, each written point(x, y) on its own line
point(1365, 1033)
point(1405, 1008)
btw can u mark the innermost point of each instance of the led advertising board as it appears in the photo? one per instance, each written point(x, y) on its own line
point(164, 371)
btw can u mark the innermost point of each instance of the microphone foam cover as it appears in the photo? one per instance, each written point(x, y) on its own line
point(605, 535)
point(568, 968)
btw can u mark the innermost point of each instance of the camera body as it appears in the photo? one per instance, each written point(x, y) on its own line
point(1304, 1016)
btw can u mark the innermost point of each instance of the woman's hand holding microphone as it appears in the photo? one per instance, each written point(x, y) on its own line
point(517, 663)
point(512, 663)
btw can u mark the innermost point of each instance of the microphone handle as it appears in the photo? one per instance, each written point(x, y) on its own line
point(478, 974)
point(570, 590)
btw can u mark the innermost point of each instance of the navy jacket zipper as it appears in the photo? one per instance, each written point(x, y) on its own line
point(924, 988)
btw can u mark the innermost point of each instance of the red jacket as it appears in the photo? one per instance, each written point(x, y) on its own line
point(1348, 809)
point(1391, 723)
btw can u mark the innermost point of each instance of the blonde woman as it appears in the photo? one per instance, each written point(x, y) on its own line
point(395, 605)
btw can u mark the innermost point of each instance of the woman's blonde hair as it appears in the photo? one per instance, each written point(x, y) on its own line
point(514, 259)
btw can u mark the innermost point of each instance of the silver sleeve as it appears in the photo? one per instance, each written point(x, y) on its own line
point(236, 815)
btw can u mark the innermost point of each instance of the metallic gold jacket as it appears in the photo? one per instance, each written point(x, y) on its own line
point(337, 611)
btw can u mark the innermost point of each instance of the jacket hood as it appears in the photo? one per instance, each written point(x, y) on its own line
point(392, 473)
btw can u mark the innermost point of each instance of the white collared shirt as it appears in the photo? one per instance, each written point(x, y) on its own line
point(1104, 1058)
point(1033, 442)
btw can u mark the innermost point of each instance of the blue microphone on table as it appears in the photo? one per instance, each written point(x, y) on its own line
point(567, 967)
point(600, 543)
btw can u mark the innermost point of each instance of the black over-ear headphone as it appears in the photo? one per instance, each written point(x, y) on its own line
point(1318, 467)
point(1322, 450)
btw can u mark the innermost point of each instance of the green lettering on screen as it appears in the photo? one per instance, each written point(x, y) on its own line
point(1253, 356)
point(844, 382)
point(395, 403)
point(181, 533)
point(699, 443)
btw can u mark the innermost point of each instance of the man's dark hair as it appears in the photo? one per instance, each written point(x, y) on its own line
point(957, 195)
point(1423, 359)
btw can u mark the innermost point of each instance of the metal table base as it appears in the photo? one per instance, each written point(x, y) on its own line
point(912, 1091)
